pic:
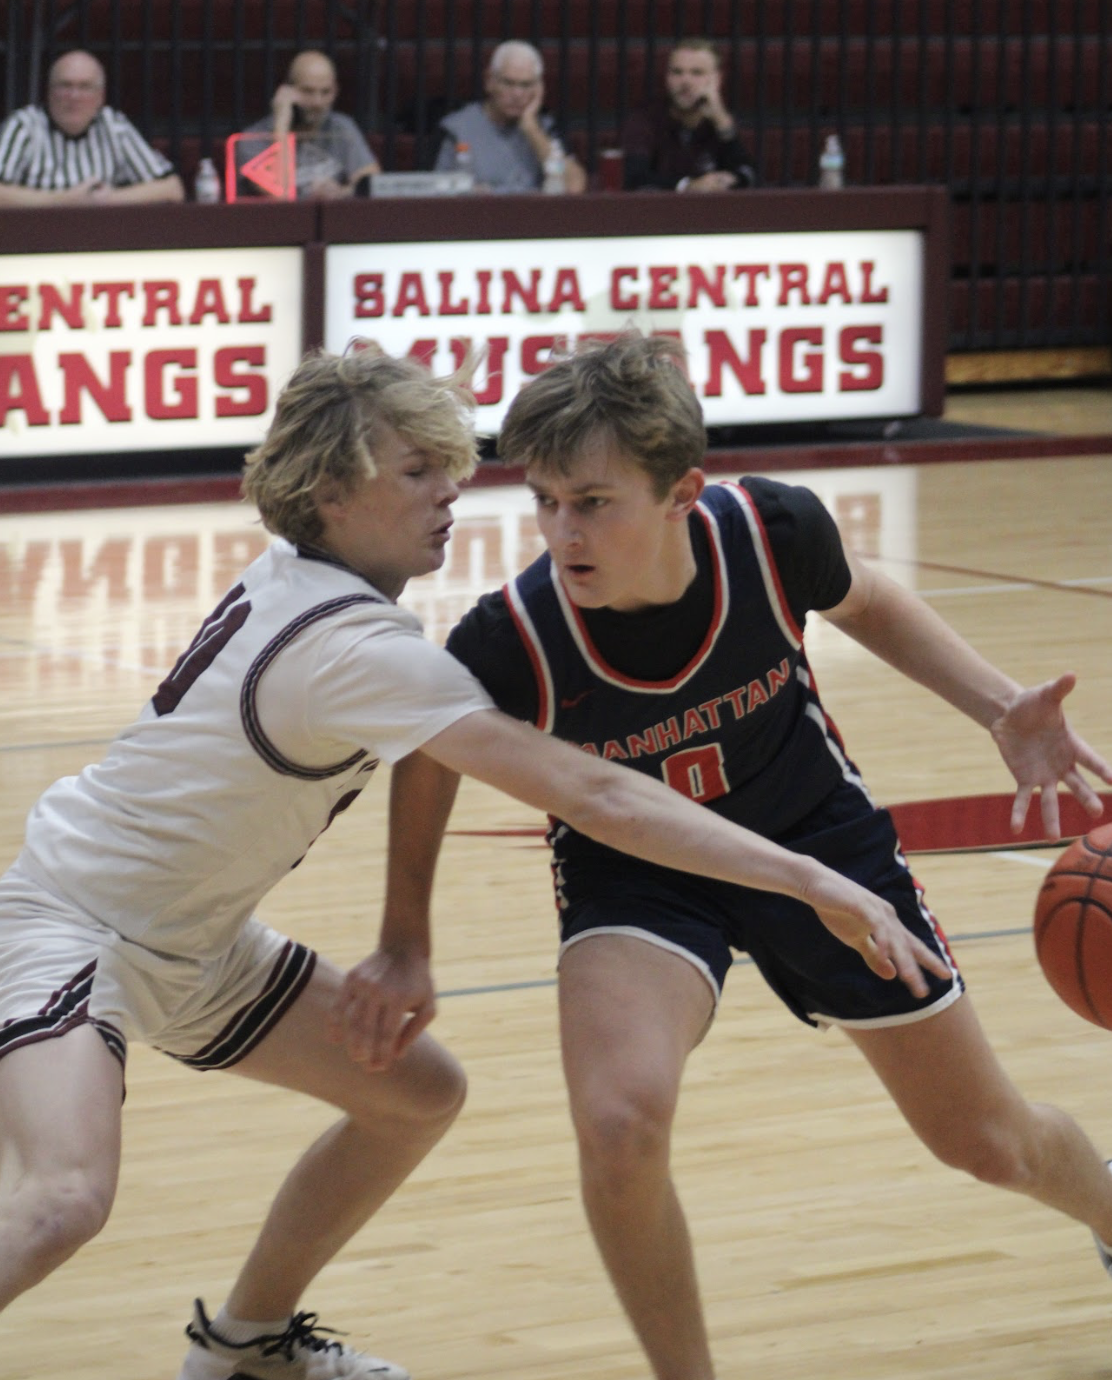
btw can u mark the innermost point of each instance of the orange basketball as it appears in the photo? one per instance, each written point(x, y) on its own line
point(1073, 926)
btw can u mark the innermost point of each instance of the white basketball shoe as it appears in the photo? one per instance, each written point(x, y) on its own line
point(301, 1352)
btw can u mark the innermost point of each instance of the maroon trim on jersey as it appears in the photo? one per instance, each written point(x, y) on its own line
point(537, 660)
point(757, 525)
point(249, 712)
point(607, 672)
point(212, 637)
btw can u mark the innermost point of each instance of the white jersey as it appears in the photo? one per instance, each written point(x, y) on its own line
point(297, 684)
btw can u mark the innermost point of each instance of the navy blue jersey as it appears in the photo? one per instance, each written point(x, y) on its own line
point(713, 694)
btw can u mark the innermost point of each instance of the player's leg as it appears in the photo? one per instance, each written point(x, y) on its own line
point(949, 1084)
point(630, 1013)
point(59, 1152)
point(391, 1121)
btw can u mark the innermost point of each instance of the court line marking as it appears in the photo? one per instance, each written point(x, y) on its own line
point(1001, 578)
point(65, 743)
point(1044, 863)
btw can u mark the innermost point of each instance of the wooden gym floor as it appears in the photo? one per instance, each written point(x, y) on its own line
point(828, 1242)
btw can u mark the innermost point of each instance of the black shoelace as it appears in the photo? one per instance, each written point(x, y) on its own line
point(302, 1331)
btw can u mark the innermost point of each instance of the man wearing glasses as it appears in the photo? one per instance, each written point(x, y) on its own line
point(507, 135)
point(78, 150)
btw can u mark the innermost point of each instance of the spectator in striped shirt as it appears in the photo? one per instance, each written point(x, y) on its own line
point(78, 150)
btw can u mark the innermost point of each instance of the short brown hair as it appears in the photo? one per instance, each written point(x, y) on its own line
point(326, 425)
point(633, 390)
point(698, 45)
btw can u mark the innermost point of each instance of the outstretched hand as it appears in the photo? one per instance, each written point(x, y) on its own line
point(384, 1004)
point(870, 925)
point(1041, 750)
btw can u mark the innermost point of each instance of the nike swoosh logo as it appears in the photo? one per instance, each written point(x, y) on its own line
point(576, 699)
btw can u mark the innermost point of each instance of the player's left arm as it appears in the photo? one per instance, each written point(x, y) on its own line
point(389, 998)
point(1027, 723)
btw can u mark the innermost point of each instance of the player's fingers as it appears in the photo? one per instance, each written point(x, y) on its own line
point(360, 1019)
point(336, 1020)
point(417, 1022)
point(380, 1041)
point(876, 957)
point(929, 959)
point(1080, 789)
point(906, 965)
point(1020, 805)
point(1048, 804)
point(910, 956)
point(1061, 687)
point(1091, 761)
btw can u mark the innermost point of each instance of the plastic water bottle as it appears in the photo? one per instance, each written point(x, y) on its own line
point(464, 164)
point(555, 175)
point(832, 163)
point(206, 188)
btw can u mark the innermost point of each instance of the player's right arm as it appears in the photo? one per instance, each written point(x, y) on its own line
point(1027, 724)
point(624, 809)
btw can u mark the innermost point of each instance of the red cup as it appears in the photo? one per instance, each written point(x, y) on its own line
point(611, 169)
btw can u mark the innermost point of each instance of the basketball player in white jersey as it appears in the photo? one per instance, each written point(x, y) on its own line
point(129, 913)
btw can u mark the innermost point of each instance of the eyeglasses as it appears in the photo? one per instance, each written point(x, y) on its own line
point(79, 88)
point(518, 85)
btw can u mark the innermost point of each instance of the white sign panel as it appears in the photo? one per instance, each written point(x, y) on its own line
point(146, 350)
point(782, 327)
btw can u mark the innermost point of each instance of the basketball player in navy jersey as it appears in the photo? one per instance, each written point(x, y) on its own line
point(663, 629)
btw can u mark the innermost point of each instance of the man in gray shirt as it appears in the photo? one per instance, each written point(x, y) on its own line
point(331, 154)
point(507, 136)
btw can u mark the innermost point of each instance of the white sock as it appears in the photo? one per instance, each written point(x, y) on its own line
point(237, 1330)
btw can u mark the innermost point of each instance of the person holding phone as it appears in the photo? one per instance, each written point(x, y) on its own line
point(331, 154)
point(689, 141)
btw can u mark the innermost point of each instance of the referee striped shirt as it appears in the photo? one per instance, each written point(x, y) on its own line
point(34, 152)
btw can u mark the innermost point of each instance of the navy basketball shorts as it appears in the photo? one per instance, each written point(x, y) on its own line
point(819, 979)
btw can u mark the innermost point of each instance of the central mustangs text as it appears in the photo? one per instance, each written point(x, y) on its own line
point(178, 382)
point(703, 718)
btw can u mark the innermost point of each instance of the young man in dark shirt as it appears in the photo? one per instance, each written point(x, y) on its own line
point(688, 142)
point(663, 629)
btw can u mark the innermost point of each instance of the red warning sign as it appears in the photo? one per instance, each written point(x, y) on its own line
point(273, 169)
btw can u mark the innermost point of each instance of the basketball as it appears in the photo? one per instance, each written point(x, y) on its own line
point(1073, 926)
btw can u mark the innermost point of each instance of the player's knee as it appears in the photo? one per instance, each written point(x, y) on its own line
point(987, 1153)
point(58, 1214)
point(445, 1097)
point(429, 1091)
point(624, 1132)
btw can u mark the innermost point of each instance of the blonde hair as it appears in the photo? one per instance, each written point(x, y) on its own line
point(632, 391)
point(328, 420)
